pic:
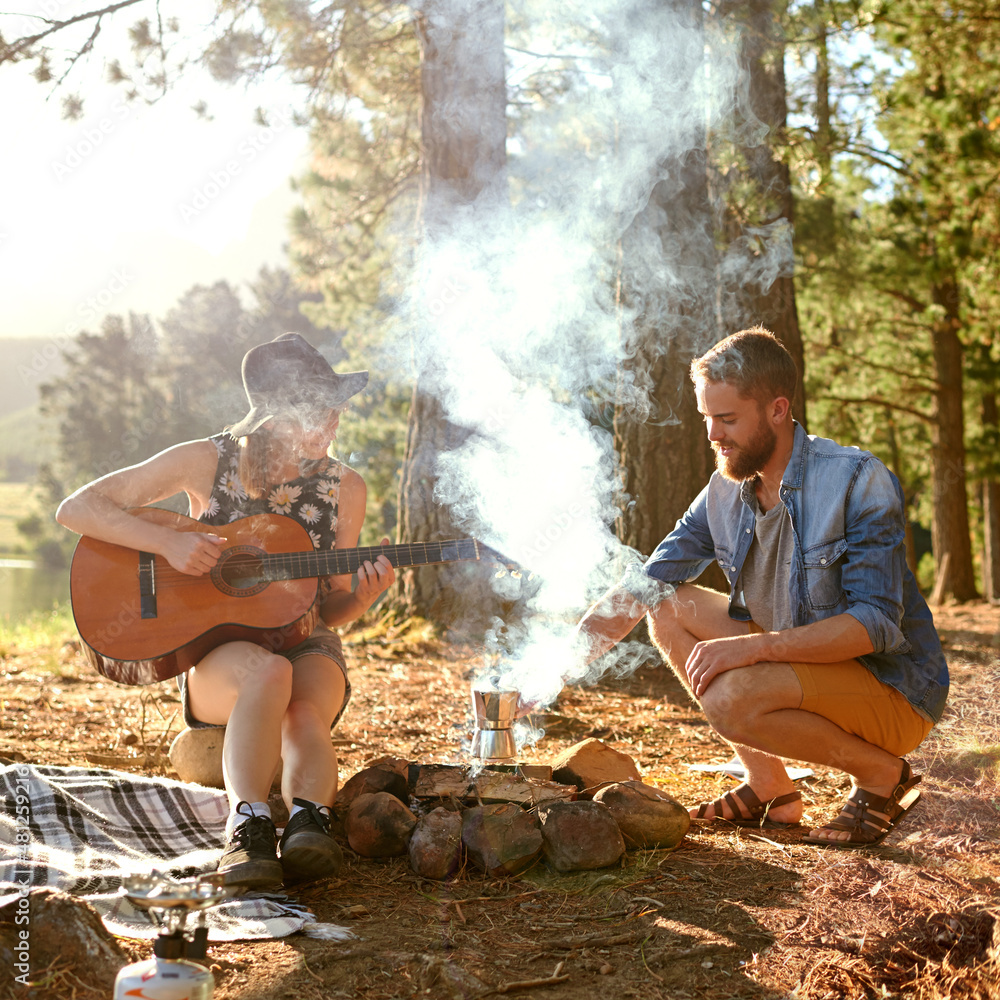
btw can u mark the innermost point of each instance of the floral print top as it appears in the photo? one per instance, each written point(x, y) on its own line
point(312, 499)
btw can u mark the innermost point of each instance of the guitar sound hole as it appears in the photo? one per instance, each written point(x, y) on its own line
point(240, 572)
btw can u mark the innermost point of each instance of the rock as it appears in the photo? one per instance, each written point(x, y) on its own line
point(646, 816)
point(590, 764)
point(436, 845)
point(64, 935)
point(578, 836)
point(378, 825)
point(371, 780)
point(196, 756)
point(398, 764)
point(501, 838)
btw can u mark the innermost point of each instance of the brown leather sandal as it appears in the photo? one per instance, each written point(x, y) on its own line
point(868, 818)
point(757, 811)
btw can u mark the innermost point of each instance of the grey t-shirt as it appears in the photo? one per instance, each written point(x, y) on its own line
point(765, 576)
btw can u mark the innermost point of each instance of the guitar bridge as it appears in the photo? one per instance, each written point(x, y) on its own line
point(147, 585)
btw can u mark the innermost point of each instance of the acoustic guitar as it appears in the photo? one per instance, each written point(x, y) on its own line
point(143, 621)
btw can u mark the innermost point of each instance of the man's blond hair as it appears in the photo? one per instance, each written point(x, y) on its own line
point(754, 361)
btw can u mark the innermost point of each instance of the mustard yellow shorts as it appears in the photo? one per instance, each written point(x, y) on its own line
point(851, 696)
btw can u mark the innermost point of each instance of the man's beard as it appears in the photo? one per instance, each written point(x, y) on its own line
point(748, 459)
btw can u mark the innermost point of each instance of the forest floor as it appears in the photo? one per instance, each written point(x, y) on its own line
point(731, 913)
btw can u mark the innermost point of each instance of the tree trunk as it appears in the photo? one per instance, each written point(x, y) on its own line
point(664, 465)
point(896, 460)
point(463, 133)
point(664, 454)
point(824, 128)
point(950, 524)
point(991, 507)
point(758, 285)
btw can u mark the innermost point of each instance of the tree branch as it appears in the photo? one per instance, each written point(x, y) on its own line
point(878, 401)
point(10, 52)
point(929, 383)
point(81, 52)
point(879, 156)
point(914, 303)
point(545, 55)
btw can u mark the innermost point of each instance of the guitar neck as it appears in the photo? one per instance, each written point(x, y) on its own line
point(340, 562)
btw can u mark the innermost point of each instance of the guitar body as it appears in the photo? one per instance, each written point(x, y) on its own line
point(143, 621)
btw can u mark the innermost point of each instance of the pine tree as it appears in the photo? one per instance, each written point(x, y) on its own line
point(891, 280)
point(463, 142)
point(754, 185)
point(669, 267)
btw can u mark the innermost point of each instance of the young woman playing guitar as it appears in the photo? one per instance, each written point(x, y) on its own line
point(274, 706)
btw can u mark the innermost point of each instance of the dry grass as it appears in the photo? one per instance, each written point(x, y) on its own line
point(731, 913)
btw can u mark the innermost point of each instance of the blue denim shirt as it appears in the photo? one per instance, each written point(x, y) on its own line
point(846, 509)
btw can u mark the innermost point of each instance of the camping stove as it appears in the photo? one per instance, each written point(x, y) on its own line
point(495, 713)
point(171, 974)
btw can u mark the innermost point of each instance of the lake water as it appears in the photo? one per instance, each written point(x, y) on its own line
point(26, 587)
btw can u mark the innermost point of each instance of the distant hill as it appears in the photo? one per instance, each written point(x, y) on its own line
point(24, 445)
point(27, 362)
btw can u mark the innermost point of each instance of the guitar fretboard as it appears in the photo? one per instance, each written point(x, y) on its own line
point(340, 562)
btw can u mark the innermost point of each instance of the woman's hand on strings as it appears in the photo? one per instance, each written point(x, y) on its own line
point(193, 552)
point(374, 578)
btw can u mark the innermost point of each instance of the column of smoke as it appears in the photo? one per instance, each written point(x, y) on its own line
point(520, 335)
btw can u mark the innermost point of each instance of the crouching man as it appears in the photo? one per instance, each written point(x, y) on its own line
point(823, 650)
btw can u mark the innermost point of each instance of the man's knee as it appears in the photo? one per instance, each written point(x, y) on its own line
point(738, 702)
point(723, 705)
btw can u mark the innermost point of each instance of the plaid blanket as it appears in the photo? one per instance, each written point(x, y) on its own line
point(83, 830)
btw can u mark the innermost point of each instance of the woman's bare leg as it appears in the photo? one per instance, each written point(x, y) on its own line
point(309, 774)
point(247, 689)
point(309, 759)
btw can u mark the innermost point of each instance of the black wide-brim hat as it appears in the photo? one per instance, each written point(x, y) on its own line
point(289, 376)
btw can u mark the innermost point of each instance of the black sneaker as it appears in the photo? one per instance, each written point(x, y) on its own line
point(250, 859)
point(308, 850)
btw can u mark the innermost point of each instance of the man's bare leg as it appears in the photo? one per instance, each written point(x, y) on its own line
point(757, 706)
point(695, 614)
point(755, 709)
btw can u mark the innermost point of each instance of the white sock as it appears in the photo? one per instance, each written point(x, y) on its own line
point(325, 810)
point(239, 816)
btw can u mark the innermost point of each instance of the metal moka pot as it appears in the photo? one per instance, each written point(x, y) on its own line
point(495, 713)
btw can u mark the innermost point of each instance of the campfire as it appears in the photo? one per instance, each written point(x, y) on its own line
point(580, 811)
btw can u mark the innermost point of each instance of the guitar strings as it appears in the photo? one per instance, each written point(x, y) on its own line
point(341, 560)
